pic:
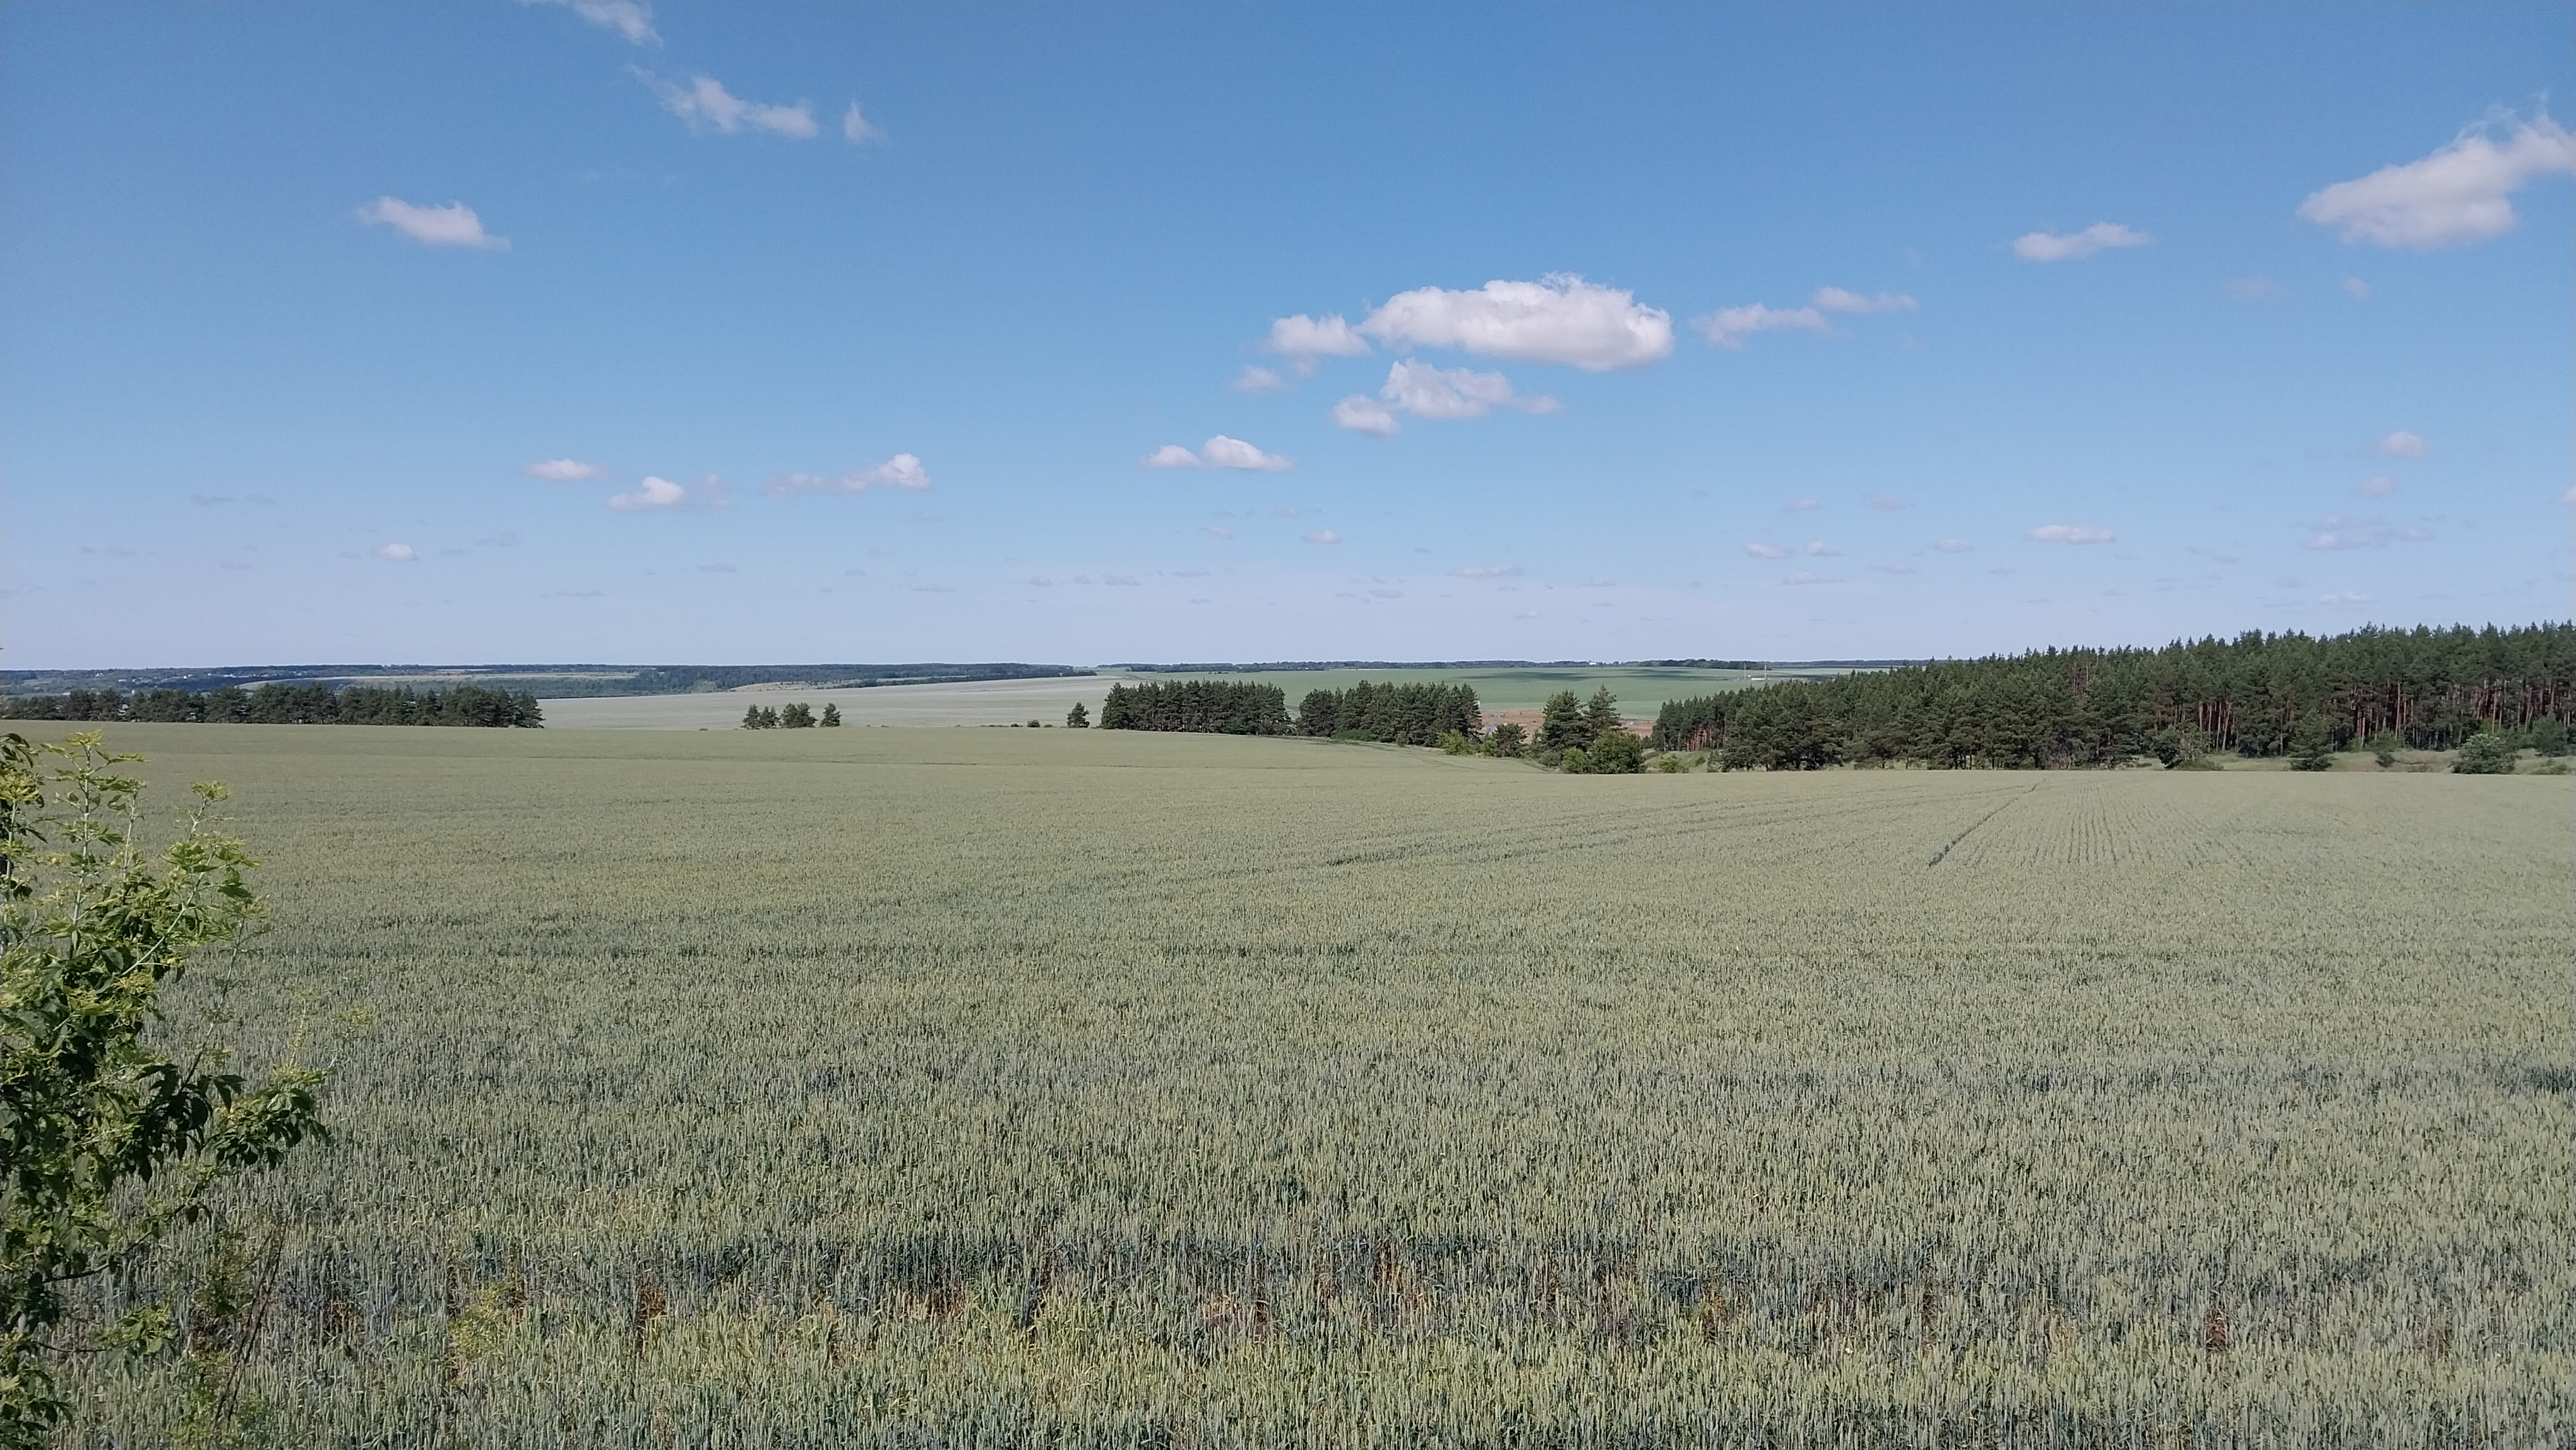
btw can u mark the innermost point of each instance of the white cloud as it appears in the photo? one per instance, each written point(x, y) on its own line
point(1306, 338)
point(1449, 393)
point(2460, 194)
point(1804, 577)
point(1561, 319)
point(1954, 546)
point(1323, 536)
point(1487, 571)
point(2070, 246)
point(705, 104)
point(901, 471)
point(654, 493)
point(1599, 581)
point(1886, 503)
point(1835, 299)
point(630, 18)
point(399, 553)
point(1170, 455)
point(857, 129)
point(2359, 289)
point(1804, 505)
point(1258, 380)
point(1816, 549)
point(1284, 511)
point(452, 225)
point(564, 470)
point(2341, 531)
point(2402, 444)
point(1766, 551)
point(1223, 452)
point(1896, 568)
point(2568, 497)
point(2253, 289)
point(2070, 534)
point(1363, 414)
point(2376, 486)
point(1216, 531)
point(1729, 326)
point(2344, 597)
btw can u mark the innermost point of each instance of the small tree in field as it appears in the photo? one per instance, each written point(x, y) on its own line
point(1079, 717)
point(2485, 753)
point(107, 1144)
point(799, 716)
point(831, 715)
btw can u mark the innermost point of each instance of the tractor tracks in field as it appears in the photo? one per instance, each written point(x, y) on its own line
point(1943, 853)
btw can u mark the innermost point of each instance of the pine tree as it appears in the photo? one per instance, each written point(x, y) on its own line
point(831, 716)
point(1077, 718)
point(1600, 715)
point(1561, 727)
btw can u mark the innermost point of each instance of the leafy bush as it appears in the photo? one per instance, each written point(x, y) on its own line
point(2485, 753)
point(1616, 752)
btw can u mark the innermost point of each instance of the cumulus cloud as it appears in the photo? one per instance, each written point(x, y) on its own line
point(706, 105)
point(653, 493)
point(901, 471)
point(1304, 339)
point(1816, 549)
point(1223, 452)
point(1835, 299)
point(1258, 380)
point(630, 18)
point(1766, 551)
point(452, 225)
point(2071, 246)
point(2402, 444)
point(1728, 327)
point(1487, 571)
point(1886, 503)
point(2376, 486)
point(857, 129)
point(1170, 455)
point(2070, 534)
point(1363, 414)
point(2460, 194)
point(1954, 546)
point(1449, 393)
point(564, 470)
point(1323, 536)
point(1560, 319)
point(399, 553)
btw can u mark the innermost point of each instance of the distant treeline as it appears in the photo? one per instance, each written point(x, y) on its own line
point(687, 679)
point(554, 681)
point(2258, 695)
point(276, 704)
point(1217, 707)
point(1397, 714)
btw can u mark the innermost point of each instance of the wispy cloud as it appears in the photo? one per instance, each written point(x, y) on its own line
point(902, 471)
point(2344, 597)
point(1803, 505)
point(1817, 549)
point(1216, 531)
point(2253, 289)
point(1361, 413)
point(652, 493)
point(1218, 452)
point(2342, 531)
point(564, 470)
point(452, 225)
point(1835, 299)
point(1487, 571)
point(1766, 551)
point(630, 18)
point(1802, 577)
point(1452, 393)
point(1886, 503)
point(706, 105)
point(1258, 380)
point(2072, 246)
point(1954, 546)
point(2378, 485)
point(1559, 319)
point(1728, 327)
point(2460, 194)
point(398, 553)
point(2359, 289)
point(857, 129)
point(2070, 534)
point(2402, 444)
point(1323, 536)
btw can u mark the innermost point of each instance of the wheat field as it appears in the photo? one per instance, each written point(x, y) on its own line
point(990, 1088)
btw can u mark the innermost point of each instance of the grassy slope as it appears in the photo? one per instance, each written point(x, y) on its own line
point(990, 1087)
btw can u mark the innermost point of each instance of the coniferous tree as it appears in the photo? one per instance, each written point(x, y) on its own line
point(1077, 718)
point(831, 716)
point(1561, 724)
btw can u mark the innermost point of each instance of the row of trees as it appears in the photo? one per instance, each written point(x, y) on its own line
point(1215, 707)
point(2258, 695)
point(797, 716)
point(283, 704)
point(1395, 714)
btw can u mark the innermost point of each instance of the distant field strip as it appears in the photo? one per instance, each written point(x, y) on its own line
point(1006, 1088)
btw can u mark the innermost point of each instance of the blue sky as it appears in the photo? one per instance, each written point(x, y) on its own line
point(543, 331)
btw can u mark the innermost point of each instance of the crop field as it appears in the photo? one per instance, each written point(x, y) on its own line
point(1641, 691)
point(989, 1088)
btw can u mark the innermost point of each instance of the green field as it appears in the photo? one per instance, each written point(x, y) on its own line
point(965, 1087)
point(1641, 689)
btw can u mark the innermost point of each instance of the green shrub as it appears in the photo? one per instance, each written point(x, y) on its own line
point(1616, 752)
point(2485, 753)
